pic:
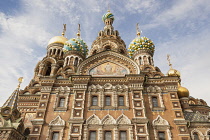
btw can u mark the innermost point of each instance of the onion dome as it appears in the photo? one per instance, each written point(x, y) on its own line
point(173, 73)
point(108, 15)
point(58, 39)
point(182, 92)
point(76, 44)
point(140, 43)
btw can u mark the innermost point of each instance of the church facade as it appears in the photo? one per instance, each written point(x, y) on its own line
point(106, 93)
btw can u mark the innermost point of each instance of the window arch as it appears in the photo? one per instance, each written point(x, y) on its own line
point(76, 61)
point(195, 136)
point(139, 60)
point(108, 48)
point(48, 70)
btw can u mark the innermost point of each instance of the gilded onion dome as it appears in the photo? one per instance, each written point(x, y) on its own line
point(140, 43)
point(76, 44)
point(173, 72)
point(57, 39)
point(108, 15)
point(182, 92)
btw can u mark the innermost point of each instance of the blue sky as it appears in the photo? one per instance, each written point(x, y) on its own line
point(177, 27)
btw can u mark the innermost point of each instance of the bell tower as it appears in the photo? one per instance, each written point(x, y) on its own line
point(108, 39)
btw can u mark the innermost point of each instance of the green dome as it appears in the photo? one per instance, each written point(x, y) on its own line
point(76, 44)
point(140, 43)
point(108, 15)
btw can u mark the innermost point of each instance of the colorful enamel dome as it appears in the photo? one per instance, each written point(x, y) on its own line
point(108, 15)
point(141, 43)
point(76, 44)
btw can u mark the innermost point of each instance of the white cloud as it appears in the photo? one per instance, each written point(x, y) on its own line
point(24, 36)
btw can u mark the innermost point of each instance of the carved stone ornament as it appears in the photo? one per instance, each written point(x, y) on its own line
point(93, 120)
point(154, 89)
point(57, 121)
point(159, 121)
point(122, 119)
point(108, 119)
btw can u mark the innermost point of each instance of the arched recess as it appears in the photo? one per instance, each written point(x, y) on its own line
point(194, 132)
point(106, 57)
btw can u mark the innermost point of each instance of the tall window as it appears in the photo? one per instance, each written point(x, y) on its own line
point(154, 102)
point(121, 100)
point(123, 135)
point(108, 135)
point(107, 101)
point(92, 135)
point(76, 62)
point(161, 135)
point(195, 135)
point(48, 71)
point(55, 136)
point(94, 100)
point(61, 102)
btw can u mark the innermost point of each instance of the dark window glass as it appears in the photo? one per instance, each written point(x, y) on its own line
point(196, 137)
point(108, 135)
point(161, 135)
point(95, 101)
point(107, 100)
point(61, 102)
point(123, 135)
point(121, 100)
point(92, 135)
point(55, 136)
point(48, 71)
point(154, 102)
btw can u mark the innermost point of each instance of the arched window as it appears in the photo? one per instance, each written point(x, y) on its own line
point(94, 52)
point(154, 102)
point(208, 135)
point(53, 51)
point(58, 52)
point(71, 60)
point(108, 48)
point(150, 62)
point(48, 71)
point(50, 51)
point(145, 60)
point(76, 61)
point(195, 135)
point(122, 52)
point(139, 60)
point(26, 132)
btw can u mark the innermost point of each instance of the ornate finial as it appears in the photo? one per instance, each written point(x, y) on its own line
point(64, 29)
point(138, 32)
point(169, 61)
point(78, 33)
point(108, 7)
point(20, 80)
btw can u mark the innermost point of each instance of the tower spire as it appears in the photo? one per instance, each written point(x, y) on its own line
point(13, 99)
point(78, 32)
point(169, 61)
point(138, 32)
point(64, 29)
